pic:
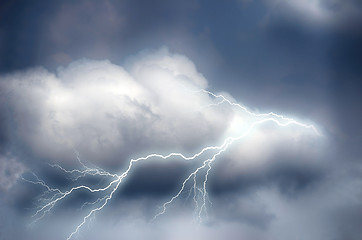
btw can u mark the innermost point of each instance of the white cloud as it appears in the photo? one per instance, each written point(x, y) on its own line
point(106, 112)
point(109, 113)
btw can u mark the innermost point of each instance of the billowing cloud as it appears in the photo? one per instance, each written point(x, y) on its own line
point(154, 104)
point(299, 58)
point(107, 112)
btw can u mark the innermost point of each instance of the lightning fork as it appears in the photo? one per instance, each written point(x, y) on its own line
point(199, 190)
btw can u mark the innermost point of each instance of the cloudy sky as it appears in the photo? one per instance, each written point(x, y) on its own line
point(89, 85)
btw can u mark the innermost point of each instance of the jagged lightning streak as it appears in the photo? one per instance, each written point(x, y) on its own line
point(200, 195)
point(278, 116)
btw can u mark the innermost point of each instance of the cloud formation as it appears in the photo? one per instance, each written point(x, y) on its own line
point(107, 112)
point(110, 114)
point(299, 58)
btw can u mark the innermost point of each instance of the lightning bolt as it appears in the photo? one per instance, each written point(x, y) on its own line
point(208, 155)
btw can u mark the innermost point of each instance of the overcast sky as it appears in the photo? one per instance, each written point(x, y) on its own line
point(111, 81)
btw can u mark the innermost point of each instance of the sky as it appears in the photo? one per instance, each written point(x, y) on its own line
point(89, 89)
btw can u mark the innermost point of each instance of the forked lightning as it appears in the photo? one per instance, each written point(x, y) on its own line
point(197, 179)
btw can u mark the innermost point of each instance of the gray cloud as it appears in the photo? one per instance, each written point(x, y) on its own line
point(111, 113)
point(293, 57)
point(10, 171)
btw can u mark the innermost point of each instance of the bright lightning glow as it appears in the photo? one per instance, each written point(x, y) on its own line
point(207, 155)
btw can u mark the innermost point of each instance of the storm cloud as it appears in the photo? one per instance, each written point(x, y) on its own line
point(110, 114)
point(109, 81)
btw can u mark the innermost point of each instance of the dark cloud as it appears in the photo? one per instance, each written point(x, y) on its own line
point(292, 57)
